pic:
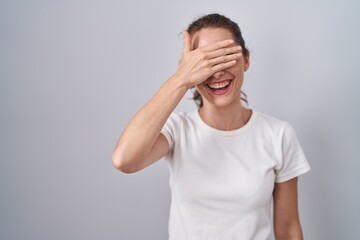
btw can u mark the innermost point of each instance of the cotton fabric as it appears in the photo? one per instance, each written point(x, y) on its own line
point(222, 182)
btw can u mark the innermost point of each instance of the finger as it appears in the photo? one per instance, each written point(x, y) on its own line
point(218, 45)
point(224, 51)
point(224, 58)
point(187, 42)
point(222, 66)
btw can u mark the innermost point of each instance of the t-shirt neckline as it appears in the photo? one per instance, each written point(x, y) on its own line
point(223, 132)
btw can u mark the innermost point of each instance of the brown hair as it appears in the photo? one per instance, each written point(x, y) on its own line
point(215, 20)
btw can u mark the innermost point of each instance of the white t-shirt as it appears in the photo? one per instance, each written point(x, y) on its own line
point(222, 182)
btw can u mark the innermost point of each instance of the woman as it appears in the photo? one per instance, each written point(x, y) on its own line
point(227, 162)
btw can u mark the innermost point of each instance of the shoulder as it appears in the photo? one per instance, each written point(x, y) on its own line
point(179, 120)
point(281, 129)
point(270, 123)
point(182, 116)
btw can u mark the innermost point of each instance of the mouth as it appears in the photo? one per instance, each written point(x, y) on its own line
point(219, 88)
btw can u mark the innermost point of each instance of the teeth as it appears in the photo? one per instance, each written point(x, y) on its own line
point(219, 85)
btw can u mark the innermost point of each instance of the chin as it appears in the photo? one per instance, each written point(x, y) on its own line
point(219, 101)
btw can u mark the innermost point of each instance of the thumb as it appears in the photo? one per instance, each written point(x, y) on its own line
point(187, 41)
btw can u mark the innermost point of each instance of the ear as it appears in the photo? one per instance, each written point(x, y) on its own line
point(246, 62)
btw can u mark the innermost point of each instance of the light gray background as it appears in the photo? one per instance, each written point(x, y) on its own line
point(73, 73)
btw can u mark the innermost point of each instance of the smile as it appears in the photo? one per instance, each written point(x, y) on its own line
point(219, 88)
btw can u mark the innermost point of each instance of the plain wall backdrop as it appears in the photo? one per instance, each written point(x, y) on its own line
point(73, 73)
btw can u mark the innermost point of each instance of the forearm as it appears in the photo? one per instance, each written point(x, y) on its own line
point(143, 129)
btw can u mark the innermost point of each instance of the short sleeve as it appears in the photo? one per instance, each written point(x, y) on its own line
point(169, 129)
point(294, 162)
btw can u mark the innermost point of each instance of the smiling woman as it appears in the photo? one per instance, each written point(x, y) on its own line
point(215, 21)
point(227, 162)
point(222, 89)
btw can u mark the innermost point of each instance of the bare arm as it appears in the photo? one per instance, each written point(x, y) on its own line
point(286, 214)
point(144, 129)
point(141, 143)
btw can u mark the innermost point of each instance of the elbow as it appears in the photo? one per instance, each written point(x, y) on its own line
point(121, 163)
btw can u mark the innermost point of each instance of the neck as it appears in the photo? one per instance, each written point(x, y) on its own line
point(226, 119)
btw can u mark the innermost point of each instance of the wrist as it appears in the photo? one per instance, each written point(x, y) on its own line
point(178, 82)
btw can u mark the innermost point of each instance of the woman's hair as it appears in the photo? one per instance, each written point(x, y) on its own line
point(218, 21)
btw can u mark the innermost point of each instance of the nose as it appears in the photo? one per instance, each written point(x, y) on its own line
point(217, 75)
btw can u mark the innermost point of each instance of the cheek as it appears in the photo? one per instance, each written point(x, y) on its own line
point(200, 88)
point(240, 65)
point(238, 69)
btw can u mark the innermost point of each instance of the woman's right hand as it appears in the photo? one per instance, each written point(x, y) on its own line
point(198, 65)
